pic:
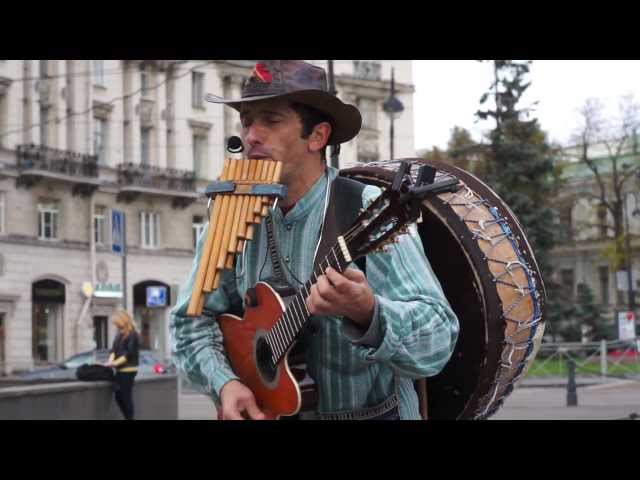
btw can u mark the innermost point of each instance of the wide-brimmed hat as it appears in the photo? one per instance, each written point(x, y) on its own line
point(302, 83)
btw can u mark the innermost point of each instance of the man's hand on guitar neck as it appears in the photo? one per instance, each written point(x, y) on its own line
point(347, 294)
point(238, 402)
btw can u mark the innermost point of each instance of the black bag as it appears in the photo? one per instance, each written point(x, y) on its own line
point(94, 373)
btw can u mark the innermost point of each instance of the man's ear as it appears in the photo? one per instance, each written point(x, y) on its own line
point(319, 137)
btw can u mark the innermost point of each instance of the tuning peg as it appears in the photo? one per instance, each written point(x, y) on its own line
point(426, 175)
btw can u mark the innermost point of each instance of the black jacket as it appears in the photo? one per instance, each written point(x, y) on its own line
point(129, 347)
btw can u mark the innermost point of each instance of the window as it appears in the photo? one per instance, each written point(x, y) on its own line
point(100, 332)
point(566, 220)
point(199, 146)
point(44, 68)
point(99, 139)
point(149, 222)
point(144, 83)
point(44, 125)
point(2, 210)
point(2, 336)
point(145, 138)
point(602, 219)
point(567, 281)
point(197, 89)
point(99, 225)
point(97, 72)
point(198, 227)
point(603, 273)
point(368, 108)
point(48, 221)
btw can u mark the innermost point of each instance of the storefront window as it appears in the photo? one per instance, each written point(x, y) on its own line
point(2, 335)
point(100, 332)
point(44, 332)
point(48, 298)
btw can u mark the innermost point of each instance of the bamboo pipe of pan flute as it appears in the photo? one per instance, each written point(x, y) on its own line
point(229, 222)
point(197, 298)
point(263, 169)
point(237, 219)
point(274, 178)
point(242, 232)
point(222, 222)
point(262, 208)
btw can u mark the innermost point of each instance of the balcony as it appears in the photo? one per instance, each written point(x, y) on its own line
point(36, 162)
point(136, 179)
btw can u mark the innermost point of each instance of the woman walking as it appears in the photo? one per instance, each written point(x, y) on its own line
point(123, 356)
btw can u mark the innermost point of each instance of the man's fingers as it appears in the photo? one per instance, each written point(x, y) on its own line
point(337, 280)
point(354, 275)
point(252, 409)
point(324, 289)
point(232, 414)
point(315, 303)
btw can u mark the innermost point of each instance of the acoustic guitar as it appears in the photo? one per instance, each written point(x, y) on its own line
point(258, 344)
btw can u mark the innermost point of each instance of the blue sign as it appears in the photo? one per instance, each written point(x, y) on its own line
point(117, 226)
point(157, 296)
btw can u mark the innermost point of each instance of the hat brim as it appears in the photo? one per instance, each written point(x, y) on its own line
point(346, 119)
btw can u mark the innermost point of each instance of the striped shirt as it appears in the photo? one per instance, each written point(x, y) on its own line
point(412, 334)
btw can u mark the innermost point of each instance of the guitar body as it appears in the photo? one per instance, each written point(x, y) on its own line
point(276, 390)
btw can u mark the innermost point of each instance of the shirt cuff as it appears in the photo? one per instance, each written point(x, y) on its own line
point(219, 379)
point(373, 336)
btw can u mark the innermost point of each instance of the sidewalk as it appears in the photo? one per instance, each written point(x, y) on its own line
point(533, 399)
point(603, 399)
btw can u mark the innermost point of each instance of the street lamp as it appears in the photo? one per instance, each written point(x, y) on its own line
point(393, 108)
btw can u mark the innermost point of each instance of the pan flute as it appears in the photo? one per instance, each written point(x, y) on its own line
point(240, 201)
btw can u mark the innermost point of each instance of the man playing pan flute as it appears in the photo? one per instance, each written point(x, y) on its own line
point(369, 337)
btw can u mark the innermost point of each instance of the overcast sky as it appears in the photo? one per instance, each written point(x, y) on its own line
point(448, 93)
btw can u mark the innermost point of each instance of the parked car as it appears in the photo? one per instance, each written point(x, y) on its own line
point(149, 363)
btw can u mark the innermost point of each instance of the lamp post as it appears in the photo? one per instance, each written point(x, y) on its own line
point(393, 108)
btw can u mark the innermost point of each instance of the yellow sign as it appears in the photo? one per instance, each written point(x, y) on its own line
point(87, 289)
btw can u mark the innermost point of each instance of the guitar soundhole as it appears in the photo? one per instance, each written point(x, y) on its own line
point(263, 357)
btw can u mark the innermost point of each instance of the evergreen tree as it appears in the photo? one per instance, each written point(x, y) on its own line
point(519, 168)
point(590, 315)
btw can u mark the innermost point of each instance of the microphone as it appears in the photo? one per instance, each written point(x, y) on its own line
point(234, 144)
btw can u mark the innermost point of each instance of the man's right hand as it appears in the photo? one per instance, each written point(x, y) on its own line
point(238, 402)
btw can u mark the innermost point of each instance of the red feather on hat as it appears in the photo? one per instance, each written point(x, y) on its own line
point(261, 72)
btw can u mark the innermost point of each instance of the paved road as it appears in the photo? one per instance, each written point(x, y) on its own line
point(598, 399)
point(607, 401)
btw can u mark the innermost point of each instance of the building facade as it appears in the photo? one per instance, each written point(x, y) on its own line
point(86, 144)
point(583, 254)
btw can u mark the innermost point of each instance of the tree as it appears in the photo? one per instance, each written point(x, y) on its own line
point(610, 150)
point(520, 167)
point(462, 151)
point(589, 315)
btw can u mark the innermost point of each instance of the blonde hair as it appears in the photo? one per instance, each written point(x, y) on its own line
point(124, 322)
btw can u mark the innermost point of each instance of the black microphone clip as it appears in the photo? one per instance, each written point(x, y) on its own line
point(234, 144)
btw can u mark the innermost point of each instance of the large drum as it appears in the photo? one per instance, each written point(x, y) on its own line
point(488, 273)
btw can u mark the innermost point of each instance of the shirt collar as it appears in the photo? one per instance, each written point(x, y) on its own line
point(315, 196)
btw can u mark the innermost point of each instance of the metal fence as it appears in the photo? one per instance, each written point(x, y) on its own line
point(618, 358)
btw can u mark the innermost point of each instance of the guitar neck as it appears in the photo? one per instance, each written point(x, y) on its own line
point(287, 328)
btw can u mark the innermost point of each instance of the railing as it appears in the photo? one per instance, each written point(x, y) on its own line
point(618, 358)
point(149, 176)
point(40, 157)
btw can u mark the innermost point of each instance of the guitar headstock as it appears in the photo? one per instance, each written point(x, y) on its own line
point(391, 213)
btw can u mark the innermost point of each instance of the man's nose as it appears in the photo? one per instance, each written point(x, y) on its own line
point(253, 135)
